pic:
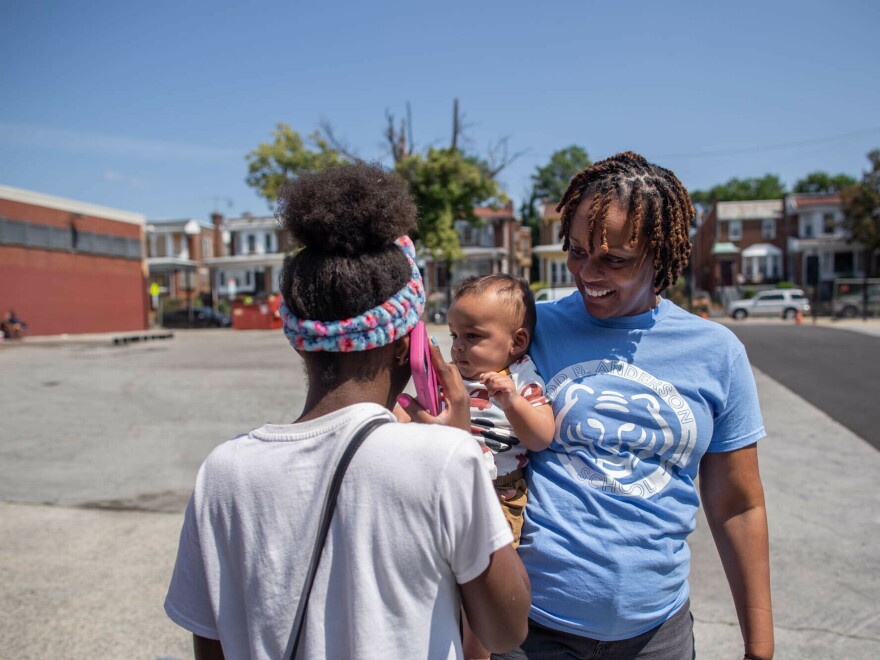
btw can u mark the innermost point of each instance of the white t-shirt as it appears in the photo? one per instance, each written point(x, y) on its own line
point(489, 423)
point(400, 541)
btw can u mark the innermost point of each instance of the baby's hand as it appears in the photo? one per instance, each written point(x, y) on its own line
point(500, 388)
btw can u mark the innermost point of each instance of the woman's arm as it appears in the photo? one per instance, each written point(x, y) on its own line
point(733, 499)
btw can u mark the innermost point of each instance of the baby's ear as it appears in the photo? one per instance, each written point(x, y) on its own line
point(520, 342)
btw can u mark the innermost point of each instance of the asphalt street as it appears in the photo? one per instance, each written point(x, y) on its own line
point(836, 370)
point(100, 445)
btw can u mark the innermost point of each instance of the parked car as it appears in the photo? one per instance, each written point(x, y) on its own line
point(777, 302)
point(849, 306)
point(554, 293)
point(202, 317)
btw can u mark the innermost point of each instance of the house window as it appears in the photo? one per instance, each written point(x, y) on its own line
point(222, 278)
point(828, 223)
point(734, 230)
point(808, 228)
point(252, 243)
point(844, 263)
point(268, 243)
point(768, 228)
point(206, 247)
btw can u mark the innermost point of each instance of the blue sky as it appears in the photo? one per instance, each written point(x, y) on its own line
point(151, 107)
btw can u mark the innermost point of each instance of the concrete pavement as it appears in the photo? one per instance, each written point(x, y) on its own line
point(89, 583)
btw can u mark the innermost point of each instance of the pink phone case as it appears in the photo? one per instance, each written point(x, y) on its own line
point(424, 377)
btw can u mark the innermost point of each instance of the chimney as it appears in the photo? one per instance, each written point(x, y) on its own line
point(217, 220)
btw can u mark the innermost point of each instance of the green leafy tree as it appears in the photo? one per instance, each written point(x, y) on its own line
point(822, 182)
point(286, 156)
point(769, 186)
point(861, 205)
point(550, 181)
point(548, 184)
point(446, 186)
point(446, 183)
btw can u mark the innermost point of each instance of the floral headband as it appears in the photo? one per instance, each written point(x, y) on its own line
point(376, 327)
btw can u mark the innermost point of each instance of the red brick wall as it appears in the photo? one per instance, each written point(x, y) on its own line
point(40, 215)
point(57, 291)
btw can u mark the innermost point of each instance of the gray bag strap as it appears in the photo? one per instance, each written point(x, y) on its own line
point(324, 527)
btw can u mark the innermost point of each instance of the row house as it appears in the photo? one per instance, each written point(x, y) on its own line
point(801, 238)
point(552, 268)
point(249, 253)
point(192, 260)
point(176, 250)
point(497, 243)
point(739, 243)
point(820, 248)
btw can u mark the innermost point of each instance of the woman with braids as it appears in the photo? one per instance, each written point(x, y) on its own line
point(417, 530)
point(646, 396)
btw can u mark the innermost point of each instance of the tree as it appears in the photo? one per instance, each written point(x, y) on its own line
point(769, 186)
point(548, 184)
point(446, 186)
point(861, 205)
point(446, 183)
point(288, 155)
point(822, 182)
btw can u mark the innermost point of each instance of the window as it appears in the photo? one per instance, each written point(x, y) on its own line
point(206, 247)
point(252, 243)
point(828, 223)
point(843, 262)
point(768, 228)
point(734, 230)
point(808, 229)
point(268, 242)
point(222, 278)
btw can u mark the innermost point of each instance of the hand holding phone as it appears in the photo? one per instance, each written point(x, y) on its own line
point(423, 374)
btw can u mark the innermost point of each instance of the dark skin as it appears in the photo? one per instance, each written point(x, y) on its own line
point(496, 602)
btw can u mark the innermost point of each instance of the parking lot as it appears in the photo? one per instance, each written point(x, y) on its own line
point(101, 444)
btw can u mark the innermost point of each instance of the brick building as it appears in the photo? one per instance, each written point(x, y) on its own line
point(497, 243)
point(552, 268)
point(740, 243)
point(71, 267)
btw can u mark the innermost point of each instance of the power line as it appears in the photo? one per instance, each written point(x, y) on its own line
point(771, 147)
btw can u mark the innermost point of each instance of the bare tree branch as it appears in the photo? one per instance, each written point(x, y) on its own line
point(498, 157)
point(342, 147)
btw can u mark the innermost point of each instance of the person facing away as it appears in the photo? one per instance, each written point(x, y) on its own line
point(491, 321)
point(417, 532)
point(646, 396)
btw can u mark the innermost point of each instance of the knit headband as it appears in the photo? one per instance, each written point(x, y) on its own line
point(376, 327)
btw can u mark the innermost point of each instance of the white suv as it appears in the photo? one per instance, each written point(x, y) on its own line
point(555, 293)
point(777, 302)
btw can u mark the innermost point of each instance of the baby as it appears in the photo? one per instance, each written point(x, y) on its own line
point(491, 321)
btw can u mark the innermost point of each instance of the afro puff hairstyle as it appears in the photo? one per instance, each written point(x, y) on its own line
point(346, 219)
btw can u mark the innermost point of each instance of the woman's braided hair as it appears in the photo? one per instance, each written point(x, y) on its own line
point(657, 206)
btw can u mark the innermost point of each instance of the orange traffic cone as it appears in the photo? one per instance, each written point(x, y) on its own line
point(799, 317)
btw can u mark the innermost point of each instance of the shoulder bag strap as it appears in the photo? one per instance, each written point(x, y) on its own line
point(326, 515)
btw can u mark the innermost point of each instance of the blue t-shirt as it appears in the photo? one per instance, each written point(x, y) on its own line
point(638, 400)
